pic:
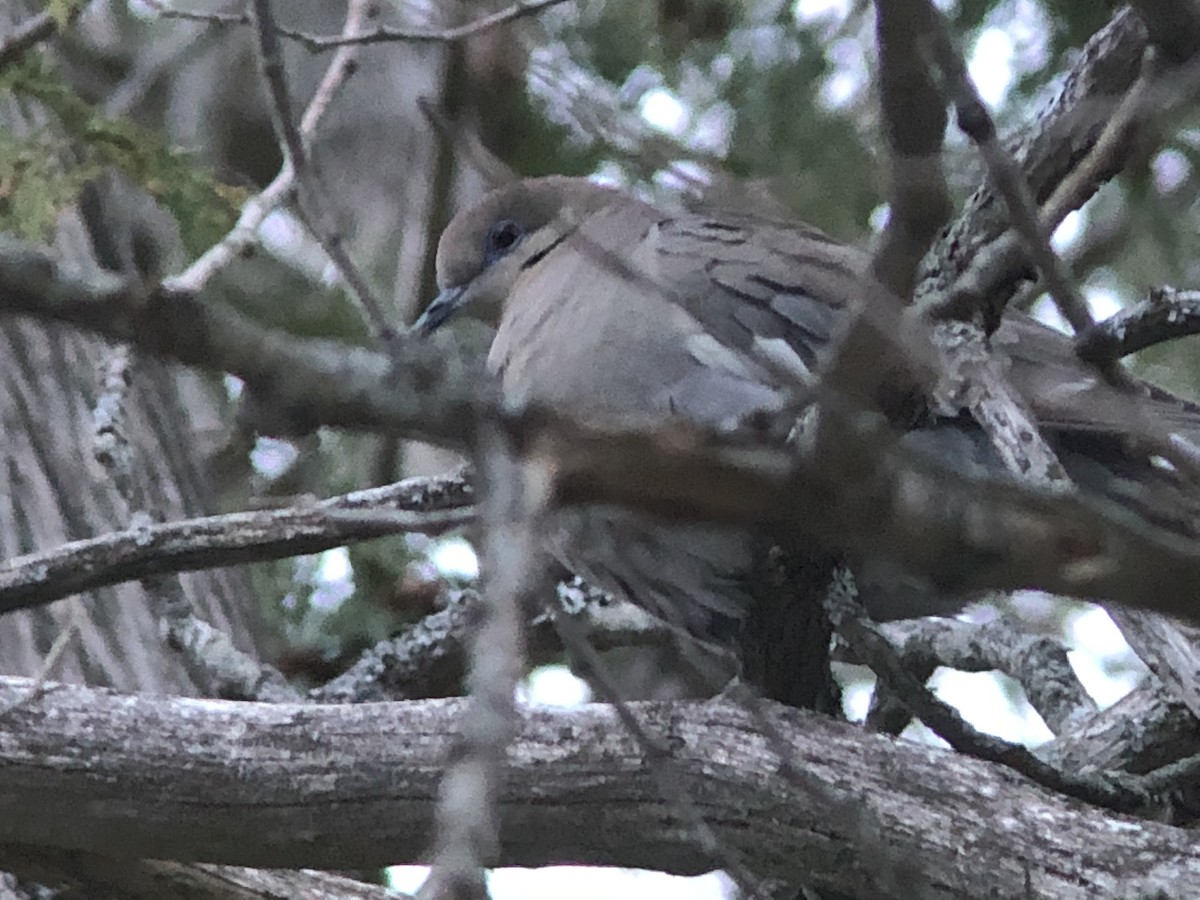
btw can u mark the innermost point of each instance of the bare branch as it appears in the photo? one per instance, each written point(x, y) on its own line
point(430, 651)
point(310, 193)
point(353, 786)
point(1144, 730)
point(1049, 151)
point(427, 505)
point(226, 671)
point(424, 389)
point(30, 32)
point(512, 507)
point(892, 504)
point(93, 875)
point(427, 659)
point(1167, 314)
point(1037, 662)
point(1145, 97)
point(851, 622)
point(244, 233)
point(381, 33)
point(914, 118)
point(658, 757)
point(1005, 174)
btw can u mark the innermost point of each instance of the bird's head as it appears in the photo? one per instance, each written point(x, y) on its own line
point(486, 247)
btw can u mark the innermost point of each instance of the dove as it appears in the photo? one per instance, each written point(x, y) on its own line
point(612, 310)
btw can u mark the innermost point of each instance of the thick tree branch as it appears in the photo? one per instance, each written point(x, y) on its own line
point(958, 531)
point(83, 874)
point(353, 786)
point(424, 389)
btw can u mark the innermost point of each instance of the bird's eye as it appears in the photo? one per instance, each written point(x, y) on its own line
point(501, 238)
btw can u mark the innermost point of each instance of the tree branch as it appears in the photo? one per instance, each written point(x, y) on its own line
point(92, 875)
point(353, 786)
point(424, 389)
point(426, 505)
point(914, 120)
point(244, 233)
point(957, 531)
point(380, 34)
point(1167, 314)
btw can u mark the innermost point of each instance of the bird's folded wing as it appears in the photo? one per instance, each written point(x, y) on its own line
point(778, 293)
point(775, 293)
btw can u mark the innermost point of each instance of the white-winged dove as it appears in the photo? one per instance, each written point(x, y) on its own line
point(591, 289)
point(610, 308)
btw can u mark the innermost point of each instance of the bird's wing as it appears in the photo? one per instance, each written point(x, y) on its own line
point(774, 292)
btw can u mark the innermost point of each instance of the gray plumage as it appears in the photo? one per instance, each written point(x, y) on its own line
point(611, 309)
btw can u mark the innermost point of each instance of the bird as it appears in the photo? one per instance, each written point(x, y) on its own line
point(609, 308)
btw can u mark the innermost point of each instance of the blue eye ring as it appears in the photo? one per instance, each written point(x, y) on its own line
point(501, 238)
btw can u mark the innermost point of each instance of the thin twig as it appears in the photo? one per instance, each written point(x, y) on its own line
point(30, 32)
point(1039, 663)
point(1107, 789)
point(310, 194)
point(427, 505)
point(976, 122)
point(1147, 97)
point(380, 34)
point(658, 756)
point(244, 233)
point(56, 652)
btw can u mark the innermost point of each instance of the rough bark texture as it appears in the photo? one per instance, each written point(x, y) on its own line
point(53, 490)
point(335, 786)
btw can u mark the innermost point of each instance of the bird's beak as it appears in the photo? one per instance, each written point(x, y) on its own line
point(443, 307)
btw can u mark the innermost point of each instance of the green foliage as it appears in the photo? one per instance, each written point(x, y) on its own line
point(616, 40)
point(40, 174)
point(515, 128)
point(783, 133)
point(1074, 22)
point(278, 294)
point(668, 35)
point(63, 11)
point(33, 187)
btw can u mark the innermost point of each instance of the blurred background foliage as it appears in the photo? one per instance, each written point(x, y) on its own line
point(760, 103)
